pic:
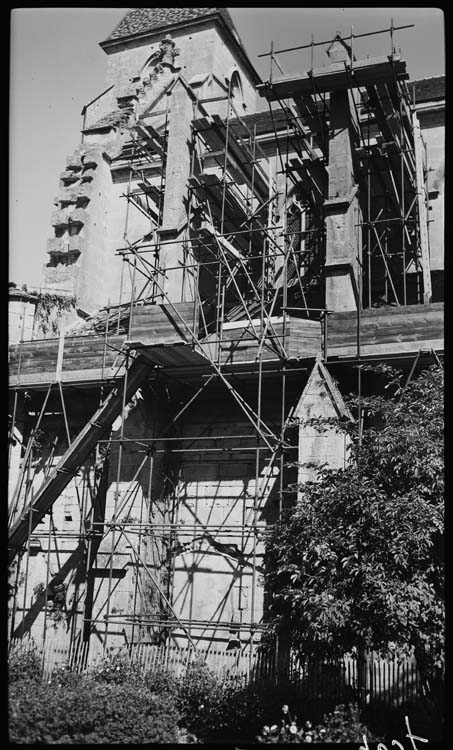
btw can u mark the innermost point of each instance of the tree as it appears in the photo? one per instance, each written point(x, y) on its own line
point(358, 562)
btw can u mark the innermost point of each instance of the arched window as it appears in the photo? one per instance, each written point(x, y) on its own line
point(236, 89)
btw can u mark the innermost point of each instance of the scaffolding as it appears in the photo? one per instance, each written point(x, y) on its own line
point(390, 164)
point(253, 253)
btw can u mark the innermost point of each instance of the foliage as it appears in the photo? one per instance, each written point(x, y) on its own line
point(50, 308)
point(206, 702)
point(24, 663)
point(91, 713)
point(116, 668)
point(342, 725)
point(358, 562)
point(15, 579)
point(223, 708)
point(199, 704)
point(64, 676)
point(159, 680)
point(197, 694)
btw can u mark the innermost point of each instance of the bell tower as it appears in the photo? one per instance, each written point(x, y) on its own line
point(136, 150)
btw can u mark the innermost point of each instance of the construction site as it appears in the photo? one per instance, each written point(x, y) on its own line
point(231, 254)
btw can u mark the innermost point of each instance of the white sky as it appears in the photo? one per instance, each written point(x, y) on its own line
point(57, 66)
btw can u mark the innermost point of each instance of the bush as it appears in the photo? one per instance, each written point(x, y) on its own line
point(342, 725)
point(64, 676)
point(24, 663)
point(91, 713)
point(224, 709)
point(116, 668)
point(118, 701)
point(159, 680)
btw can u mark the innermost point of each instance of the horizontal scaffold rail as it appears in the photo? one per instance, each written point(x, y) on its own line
point(336, 77)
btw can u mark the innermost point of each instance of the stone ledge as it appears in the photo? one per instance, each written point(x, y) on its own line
point(331, 205)
point(69, 215)
point(66, 244)
point(72, 193)
point(74, 163)
point(68, 176)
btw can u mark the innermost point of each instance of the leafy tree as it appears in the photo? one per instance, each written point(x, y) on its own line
point(358, 562)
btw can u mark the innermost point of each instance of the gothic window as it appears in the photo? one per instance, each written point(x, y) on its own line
point(237, 96)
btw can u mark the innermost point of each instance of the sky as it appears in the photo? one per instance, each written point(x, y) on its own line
point(57, 66)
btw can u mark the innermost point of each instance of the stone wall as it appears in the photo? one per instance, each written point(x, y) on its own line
point(433, 132)
point(200, 573)
point(202, 49)
point(80, 252)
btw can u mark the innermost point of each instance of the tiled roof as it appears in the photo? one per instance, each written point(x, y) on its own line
point(112, 119)
point(139, 20)
point(428, 89)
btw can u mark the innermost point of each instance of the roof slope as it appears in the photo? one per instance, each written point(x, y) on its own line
point(140, 20)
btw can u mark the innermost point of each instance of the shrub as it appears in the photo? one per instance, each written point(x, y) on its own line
point(91, 713)
point(159, 680)
point(197, 698)
point(343, 724)
point(224, 709)
point(65, 676)
point(116, 668)
point(24, 663)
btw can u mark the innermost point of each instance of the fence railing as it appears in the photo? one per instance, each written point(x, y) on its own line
point(389, 681)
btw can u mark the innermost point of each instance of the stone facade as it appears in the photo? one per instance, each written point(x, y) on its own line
point(93, 216)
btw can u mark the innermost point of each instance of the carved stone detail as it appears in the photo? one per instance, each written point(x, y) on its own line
point(163, 57)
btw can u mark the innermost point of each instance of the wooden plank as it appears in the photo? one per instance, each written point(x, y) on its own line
point(87, 342)
point(384, 338)
point(96, 349)
point(89, 351)
point(35, 361)
point(41, 378)
point(86, 366)
point(405, 329)
point(304, 338)
point(408, 327)
point(415, 342)
point(409, 331)
point(385, 311)
point(98, 352)
point(335, 77)
point(386, 320)
point(388, 349)
point(400, 325)
point(35, 348)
